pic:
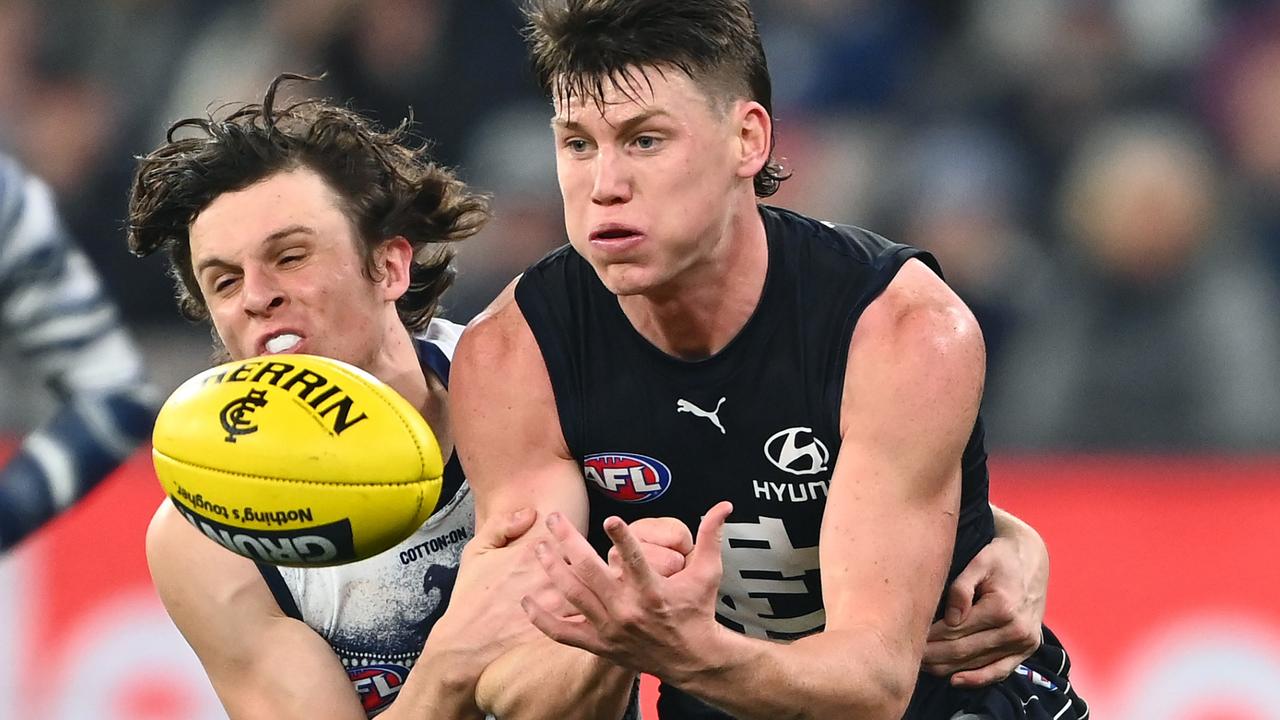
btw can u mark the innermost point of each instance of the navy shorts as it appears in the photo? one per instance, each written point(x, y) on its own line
point(1039, 689)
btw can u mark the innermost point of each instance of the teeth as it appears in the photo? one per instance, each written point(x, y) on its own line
point(282, 343)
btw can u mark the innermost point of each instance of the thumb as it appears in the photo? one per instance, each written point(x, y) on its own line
point(961, 593)
point(706, 551)
point(500, 530)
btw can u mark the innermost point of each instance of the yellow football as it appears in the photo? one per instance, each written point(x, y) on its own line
point(297, 460)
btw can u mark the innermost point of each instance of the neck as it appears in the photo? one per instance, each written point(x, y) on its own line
point(397, 365)
point(700, 311)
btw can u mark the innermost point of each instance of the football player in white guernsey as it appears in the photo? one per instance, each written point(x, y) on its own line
point(306, 229)
point(663, 141)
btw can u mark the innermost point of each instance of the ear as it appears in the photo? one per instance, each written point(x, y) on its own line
point(755, 137)
point(394, 258)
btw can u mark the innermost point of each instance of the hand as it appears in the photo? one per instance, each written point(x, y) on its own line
point(666, 543)
point(630, 614)
point(992, 619)
point(484, 618)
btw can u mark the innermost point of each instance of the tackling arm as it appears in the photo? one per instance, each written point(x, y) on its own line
point(227, 614)
point(515, 457)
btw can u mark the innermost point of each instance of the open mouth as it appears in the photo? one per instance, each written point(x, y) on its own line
point(283, 342)
point(616, 235)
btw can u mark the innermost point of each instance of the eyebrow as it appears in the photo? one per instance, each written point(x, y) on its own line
point(275, 236)
point(623, 127)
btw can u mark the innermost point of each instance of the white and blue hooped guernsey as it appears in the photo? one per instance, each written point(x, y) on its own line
point(376, 613)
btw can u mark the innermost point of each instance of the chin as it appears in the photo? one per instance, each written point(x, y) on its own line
point(626, 281)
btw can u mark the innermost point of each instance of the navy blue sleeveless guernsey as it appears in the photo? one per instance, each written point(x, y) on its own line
point(757, 423)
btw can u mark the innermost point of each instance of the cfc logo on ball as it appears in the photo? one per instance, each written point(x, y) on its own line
point(627, 477)
point(235, 418)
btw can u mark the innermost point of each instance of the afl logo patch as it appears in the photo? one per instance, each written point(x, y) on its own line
point(377, 685)
point(627, 477)
point(797, 451)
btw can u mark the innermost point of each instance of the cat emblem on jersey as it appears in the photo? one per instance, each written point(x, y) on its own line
point(684, 406)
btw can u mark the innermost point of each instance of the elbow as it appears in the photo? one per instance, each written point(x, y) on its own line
point(884, 693)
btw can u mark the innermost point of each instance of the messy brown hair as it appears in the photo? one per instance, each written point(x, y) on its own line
point(387, 188)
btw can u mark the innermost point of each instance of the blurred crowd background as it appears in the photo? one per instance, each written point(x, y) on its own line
point(1099, 178)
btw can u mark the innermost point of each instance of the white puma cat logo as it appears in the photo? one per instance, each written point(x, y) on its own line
point(683, 405)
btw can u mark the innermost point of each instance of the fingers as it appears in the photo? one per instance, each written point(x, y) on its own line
point(966, 653)
point(573, 583)
point(667, 532)
point(631, 555)
point(662, 560)
point(576, 632)
point(706, 551)
point(501, 530)
point(961, 592)
point(993, 673)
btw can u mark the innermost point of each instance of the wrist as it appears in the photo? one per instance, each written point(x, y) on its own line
point(714, 654)
point(451, 667)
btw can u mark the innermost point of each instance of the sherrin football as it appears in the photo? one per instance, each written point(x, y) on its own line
point(297, 460)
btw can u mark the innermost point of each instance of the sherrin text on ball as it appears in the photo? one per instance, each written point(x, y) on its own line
point(297, 460)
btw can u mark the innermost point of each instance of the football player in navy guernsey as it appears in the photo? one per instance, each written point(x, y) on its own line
point(305, 228)
point(804, 394)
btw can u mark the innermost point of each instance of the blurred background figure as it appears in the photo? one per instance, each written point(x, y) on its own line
point(54, 314)
point(1159, 331)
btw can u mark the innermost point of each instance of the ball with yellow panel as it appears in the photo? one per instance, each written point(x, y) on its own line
point(297, 460)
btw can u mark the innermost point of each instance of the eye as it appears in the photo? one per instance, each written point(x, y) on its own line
point(647, 142)
point(576, 145)
point(290, 259)
point(223, 283)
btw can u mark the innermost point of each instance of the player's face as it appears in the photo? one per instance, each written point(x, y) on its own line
point(649, 184)
point(280, 271)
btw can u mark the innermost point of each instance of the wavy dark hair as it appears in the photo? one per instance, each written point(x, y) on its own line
point(579, 46)
point(387, 188)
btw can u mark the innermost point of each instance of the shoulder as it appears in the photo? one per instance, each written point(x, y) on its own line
point(917, 310)
point(848, 242)
point(498, 360)
point(499, 334)
point(916, 354)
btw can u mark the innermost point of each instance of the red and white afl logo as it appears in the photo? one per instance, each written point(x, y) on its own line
point(627, 477)
point(377, 685)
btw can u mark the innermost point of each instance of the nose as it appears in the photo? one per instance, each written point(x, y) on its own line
point(612, 179)
point(261, 294)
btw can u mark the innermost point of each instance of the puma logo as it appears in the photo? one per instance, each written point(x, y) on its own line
point(683, 405)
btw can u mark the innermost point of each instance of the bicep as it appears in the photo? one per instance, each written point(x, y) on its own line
point(261, 663)
point(506, 425)
point(911, 394)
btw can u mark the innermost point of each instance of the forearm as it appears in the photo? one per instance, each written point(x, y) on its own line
point(544, 679)
point(847, 673)
point(1030, 547)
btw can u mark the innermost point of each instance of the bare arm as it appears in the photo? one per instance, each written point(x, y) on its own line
point(223, 608)
point(515, 456)
point(912, 389)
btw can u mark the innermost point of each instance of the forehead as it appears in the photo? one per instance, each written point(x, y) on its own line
point(638, 89)
point(236, 220)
